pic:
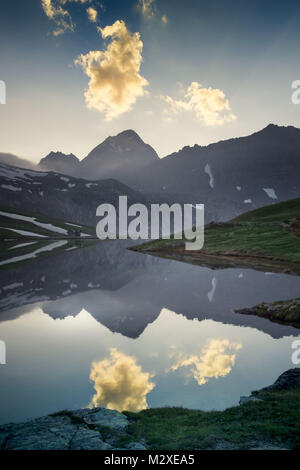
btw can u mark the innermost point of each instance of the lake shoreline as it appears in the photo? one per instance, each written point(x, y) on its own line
point(252, 425)
point(215, 260)
point(263, 239)
point(282, 312)
point(225, 261)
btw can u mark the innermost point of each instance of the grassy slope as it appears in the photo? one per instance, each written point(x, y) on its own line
point(271, 231)
point(12, 248)
point(30, 227)
point(273, 421)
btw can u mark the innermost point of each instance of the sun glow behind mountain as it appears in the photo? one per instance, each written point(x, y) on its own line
point(164, 70)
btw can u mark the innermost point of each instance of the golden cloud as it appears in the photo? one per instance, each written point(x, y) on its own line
point(92, 14)
point(214, 360)
point(147, 7)
point(115, 80)
point(59, 15)
point(210, 105)
point(149, 10)
point(120, 383)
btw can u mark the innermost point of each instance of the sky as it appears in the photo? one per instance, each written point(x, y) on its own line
point(177, 72)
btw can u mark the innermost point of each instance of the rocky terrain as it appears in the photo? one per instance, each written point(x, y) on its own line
point(230, 177)
point(118, 157)
point(235, 175)
point(283, 311)
point(60, 162)
point(87, 429)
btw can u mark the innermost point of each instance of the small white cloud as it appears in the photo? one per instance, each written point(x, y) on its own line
point(115, 79)
point(210, 105)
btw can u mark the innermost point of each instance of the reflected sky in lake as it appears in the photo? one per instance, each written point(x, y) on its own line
point(105, 326)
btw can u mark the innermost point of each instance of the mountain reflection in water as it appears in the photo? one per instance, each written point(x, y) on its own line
point(105, 326)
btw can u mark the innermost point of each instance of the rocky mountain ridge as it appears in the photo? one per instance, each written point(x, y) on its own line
point(230, 177)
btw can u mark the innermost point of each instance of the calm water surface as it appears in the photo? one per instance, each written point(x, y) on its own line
point(110, 327)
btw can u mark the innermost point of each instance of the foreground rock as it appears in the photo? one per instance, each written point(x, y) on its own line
point(283, 311)
point(96, 429)
point(286, 381)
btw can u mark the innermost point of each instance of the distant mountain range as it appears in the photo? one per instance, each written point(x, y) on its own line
point(118, 156)
point(59, 196)
point(230, 177)
point(250, 171)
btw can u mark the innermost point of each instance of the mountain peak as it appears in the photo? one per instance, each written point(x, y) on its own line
point(275, 127)
point(118, 155)
point(271, 126)
point(127, 138)
point(129, 133)
point(59, 155)
point(274, 133)
point(59, 162)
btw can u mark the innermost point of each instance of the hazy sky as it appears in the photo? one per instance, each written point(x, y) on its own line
point(177, 72)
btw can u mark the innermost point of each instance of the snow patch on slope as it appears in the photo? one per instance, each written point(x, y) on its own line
point(33, 221)
point(270, 192)
point(207, 170)
point(50, 247)
point(24, 232)
point(212, 292)
point(10, 188)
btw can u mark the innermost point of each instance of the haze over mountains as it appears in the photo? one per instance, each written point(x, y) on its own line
point(10, 159)
point(60, 196)
point(60, 162)
point(229, 177)
point(118, 156)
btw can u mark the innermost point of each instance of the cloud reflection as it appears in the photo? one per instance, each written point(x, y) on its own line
point(215, 360)
point(120, 383)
